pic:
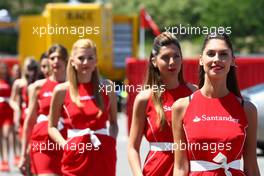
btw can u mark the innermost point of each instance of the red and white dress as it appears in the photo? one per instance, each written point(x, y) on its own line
point(215, 129)
point(45, 154)
point(89, 150)
point(6, 112)
point(160, 158)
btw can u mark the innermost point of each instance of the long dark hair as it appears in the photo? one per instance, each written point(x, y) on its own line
point(61, 50)
point(154, 77)
point(42, 57)
point(231, 81)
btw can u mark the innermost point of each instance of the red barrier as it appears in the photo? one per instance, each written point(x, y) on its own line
point(250, 72)
point(10, 61)
point(135, 72)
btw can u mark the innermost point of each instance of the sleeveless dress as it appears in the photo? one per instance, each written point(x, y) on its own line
point(160, 158)
point(6, 112)
point(89, 150)
point(215, 129)
point(45, 154)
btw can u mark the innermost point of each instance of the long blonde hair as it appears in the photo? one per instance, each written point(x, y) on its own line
point(154, 78)
point(73, 80)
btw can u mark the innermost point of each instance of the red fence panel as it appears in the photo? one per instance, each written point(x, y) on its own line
point(250, 71)
point(136, 73)
point(9, 61)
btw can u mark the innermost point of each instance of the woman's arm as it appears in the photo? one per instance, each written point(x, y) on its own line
point(113, 129)
point(136, 131)
point(55, 112)
point(28, 124)
point(250, 155)
point(181, 163)
point(14, 102)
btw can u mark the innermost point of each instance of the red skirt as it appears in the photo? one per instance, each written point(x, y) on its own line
point(45, 155)
point(159, 163)
point(82, 158)
point(6, 114)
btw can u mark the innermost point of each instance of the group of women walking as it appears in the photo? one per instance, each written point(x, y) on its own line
point(68, 127)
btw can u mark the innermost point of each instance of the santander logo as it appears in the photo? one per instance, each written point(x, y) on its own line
point(205, 118)
point(196, 119)
point(167, 108)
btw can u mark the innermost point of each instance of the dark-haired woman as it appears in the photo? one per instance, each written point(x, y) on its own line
point(216, 125)
point(44, 157)
point(19, 100)
point(152, 108)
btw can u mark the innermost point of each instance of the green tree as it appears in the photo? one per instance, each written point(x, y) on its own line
point(246, 19)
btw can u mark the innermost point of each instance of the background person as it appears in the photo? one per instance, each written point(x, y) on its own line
point(6, 117)
point(44, 65)
point(15, 73)
point(35, 130)
point(19, 101)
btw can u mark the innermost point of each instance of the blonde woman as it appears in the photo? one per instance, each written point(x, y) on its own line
point(90, 146)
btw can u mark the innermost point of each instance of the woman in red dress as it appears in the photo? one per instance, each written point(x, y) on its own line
point(90, 148)
point(214, 127)
point(6, 117)
point(152, 108)
point(19, 94)
point(43, 159)
point(19, 101)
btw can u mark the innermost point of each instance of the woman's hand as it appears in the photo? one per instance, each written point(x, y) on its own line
point(23, 164)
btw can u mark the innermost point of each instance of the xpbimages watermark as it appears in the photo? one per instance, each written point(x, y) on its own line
point(197, 30)
point(129, 88)
point(51, 146)
point(211, 147)
point(80, 31)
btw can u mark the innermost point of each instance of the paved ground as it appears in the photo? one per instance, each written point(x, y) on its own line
point(123, 168)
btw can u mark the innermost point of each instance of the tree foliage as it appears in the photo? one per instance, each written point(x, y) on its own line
point(246, 18)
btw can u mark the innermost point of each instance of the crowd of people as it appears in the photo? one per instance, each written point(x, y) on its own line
point(60, 123)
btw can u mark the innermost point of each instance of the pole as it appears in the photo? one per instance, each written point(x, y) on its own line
point(142, 44)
